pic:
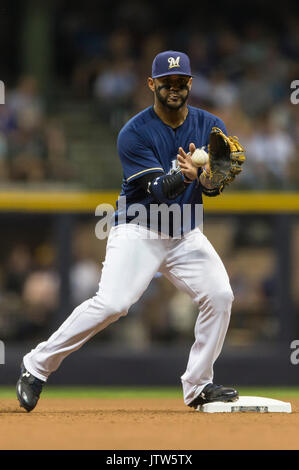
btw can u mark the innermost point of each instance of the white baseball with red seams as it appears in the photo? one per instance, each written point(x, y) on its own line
point(200, 157)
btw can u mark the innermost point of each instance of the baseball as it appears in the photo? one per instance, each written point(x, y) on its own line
point(199, 157)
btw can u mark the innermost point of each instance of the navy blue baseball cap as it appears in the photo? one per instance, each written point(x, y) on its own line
point(171, 63)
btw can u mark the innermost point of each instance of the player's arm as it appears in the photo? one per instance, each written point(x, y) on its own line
point(163, 187)
point(167, 187)
point(141, 167)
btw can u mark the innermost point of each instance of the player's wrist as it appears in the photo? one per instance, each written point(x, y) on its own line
point(187, 180)
point(190, 175)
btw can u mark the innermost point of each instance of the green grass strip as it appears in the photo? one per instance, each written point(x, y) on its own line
point(145, 392)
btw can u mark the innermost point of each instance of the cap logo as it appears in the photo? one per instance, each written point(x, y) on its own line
point(174, 62)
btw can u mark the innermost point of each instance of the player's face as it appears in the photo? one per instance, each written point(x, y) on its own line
point(173, 90)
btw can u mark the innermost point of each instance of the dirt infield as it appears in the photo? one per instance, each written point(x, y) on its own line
point(156, 423)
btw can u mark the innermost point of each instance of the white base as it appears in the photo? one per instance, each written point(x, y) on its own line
point(247, 404)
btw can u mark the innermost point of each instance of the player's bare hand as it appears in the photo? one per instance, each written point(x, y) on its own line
point(185, 162)
point(192, 148)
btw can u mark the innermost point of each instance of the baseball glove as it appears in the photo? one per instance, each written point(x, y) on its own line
point(226, 157)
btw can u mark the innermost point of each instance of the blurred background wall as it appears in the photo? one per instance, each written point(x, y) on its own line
point(74, 73)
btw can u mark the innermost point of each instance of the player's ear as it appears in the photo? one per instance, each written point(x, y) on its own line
point(150, 82)
point(190, 83)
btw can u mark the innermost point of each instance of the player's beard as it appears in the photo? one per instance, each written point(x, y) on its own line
point(174, 106)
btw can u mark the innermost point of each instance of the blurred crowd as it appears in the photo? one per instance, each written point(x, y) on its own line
point(244, 76)
point(243, 69)
point(31, 292)
point(33, 303)
point(33, 146)
point(242, 72)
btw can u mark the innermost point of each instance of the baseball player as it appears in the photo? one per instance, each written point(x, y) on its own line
point(156, 148)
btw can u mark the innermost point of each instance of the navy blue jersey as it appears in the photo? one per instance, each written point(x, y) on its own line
point(147, 145)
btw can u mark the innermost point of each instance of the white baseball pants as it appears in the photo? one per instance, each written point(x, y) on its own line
point(132, 259)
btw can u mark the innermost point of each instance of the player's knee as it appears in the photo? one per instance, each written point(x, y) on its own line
point(111, 306)
point(119, 308)
point(218, 302)
point(222, 300)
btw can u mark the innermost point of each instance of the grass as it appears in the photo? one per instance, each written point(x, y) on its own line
point(144, 392)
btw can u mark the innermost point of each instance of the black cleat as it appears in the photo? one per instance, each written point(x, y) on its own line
point(28, 389)
point(212, 393)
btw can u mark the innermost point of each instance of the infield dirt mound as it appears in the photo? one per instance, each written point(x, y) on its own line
point(126, 424)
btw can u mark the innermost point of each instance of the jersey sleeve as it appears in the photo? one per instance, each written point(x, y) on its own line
point(137, 158)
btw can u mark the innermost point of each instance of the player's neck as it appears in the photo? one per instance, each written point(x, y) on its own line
point(171, 117)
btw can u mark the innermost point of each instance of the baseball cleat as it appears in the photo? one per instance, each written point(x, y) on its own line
point(28, 389)
point(212, 393)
